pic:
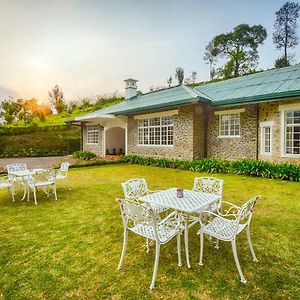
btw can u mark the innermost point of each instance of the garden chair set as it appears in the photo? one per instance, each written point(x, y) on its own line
point(32, 180)
point(142, 211)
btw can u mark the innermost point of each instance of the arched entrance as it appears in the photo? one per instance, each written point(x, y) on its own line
point(114, 141)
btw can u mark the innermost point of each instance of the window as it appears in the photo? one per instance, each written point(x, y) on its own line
point(266, 138)
point(292, 132)
point(156, 131)
point(92, 134)
point(229, 125)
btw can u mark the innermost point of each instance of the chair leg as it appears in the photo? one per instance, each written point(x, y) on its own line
point(250, 244)
point(147, 245)
point(13, 192)
point(157, 250)
point(34, 195)
point(236, 259)
point(217, 244)
point(179, 250)
point(67, 180)
point(54, 191)
point(201, 248)
point(123, 250)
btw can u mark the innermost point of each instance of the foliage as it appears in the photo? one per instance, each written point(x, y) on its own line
point(169, 81)
point(194, 76)
point(283, 171)
point(211, 59)
point(70, 248)
point(9, 110)
point(285, 34)
point(179, 75)
point(281, 62)
point(36, 141)
point(239, 47)
point(95, 162)
point(57, 98)
point(84, 154)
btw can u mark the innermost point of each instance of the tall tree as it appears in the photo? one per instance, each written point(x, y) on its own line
point(9, 110)
point(57, 98)
point(285, 35)
point(179, 75)
point(169, 81)
point(240, 49)
point(210, 59)
point(194, 76)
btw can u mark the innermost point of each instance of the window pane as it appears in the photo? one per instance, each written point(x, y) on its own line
point(292, 132)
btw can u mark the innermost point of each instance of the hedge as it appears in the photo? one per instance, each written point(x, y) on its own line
point(283, 171)
point(39, 141)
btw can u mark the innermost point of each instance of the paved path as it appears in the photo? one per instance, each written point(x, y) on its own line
point(37, 162)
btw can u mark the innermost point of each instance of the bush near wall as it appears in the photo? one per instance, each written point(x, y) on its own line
point(39, 141)
point(283, 171)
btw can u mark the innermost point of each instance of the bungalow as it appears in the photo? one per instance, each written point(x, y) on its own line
point(255, 116)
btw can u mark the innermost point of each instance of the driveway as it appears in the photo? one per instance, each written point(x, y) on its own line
point(37, 162)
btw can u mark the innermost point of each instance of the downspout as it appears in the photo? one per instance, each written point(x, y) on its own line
point(205, 127)
point(81, 135)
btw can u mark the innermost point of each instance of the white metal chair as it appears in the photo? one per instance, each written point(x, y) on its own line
point(16, 167)
point(44, 180)
point(62, 173)
point(7, 184)
point(225, 226)
point(144, 221)
point(135, 188)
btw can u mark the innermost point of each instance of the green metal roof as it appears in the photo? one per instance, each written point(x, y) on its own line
point(273, 84)
point(268, 85)
point(177, 95)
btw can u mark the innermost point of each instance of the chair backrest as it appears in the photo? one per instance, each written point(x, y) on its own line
point(135, 188)
point(245, 214)
point(46, 175)
point(16, 167)
point(210, 185)
point(64, 167)
point(138, 214)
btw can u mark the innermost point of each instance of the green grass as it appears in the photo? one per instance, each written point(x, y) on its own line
point(69, 249)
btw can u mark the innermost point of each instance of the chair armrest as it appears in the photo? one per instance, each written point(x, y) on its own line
point(229, 209)
point(214, 215)
point(172, 220)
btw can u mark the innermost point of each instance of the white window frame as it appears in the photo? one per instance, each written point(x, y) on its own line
point(154, 127)
point(89, 130)
point(262, 126)
point(283, 110)
point(229, 113)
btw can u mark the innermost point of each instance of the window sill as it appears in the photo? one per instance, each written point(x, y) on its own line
point(266, 153)
point(163, 146)
point(290, 155)
point(92, 144)
point(228, 136)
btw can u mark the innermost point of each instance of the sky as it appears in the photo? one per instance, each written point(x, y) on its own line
point(88, 47)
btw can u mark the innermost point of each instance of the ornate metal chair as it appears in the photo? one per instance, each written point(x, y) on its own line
point(16, 167)
point(227, 224)
point(43, 179)
point(62, 173)
point(141, 219)
point(135, 188)
point(7, 184)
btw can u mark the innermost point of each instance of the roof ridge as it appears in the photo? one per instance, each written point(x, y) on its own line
point(164, 89)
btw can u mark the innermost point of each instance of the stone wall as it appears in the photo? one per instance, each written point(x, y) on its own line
point(269, 111)
point(233, 148)
point(98, 149)
point(188, 136)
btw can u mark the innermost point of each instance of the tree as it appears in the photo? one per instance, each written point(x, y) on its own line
point(179, 75)
point(210, 58)
point(281, 62)
point(285, 26)
point(240, 48)
point(169, 81)
point(57, 99)
point(187, 80)
point(194, 76)
point(9, 110)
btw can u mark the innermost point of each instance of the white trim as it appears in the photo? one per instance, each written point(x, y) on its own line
point(291, 106)
point(262, 125)
point(283, 109)
point(126, 139)
point(230, 111)
point(159, 146)
point(169, 113)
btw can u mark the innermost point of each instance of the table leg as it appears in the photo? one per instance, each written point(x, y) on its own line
point(186, 240)
point(25, 190)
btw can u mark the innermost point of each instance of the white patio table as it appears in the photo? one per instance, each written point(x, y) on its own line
point(25, 175)
point(190, 203)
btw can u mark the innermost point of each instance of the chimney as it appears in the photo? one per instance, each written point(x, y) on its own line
point(130, 88)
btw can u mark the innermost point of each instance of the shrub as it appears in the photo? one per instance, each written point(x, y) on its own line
point(84, 154)
point(283, 171)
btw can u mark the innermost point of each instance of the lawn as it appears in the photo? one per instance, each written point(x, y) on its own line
point(69, 248)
